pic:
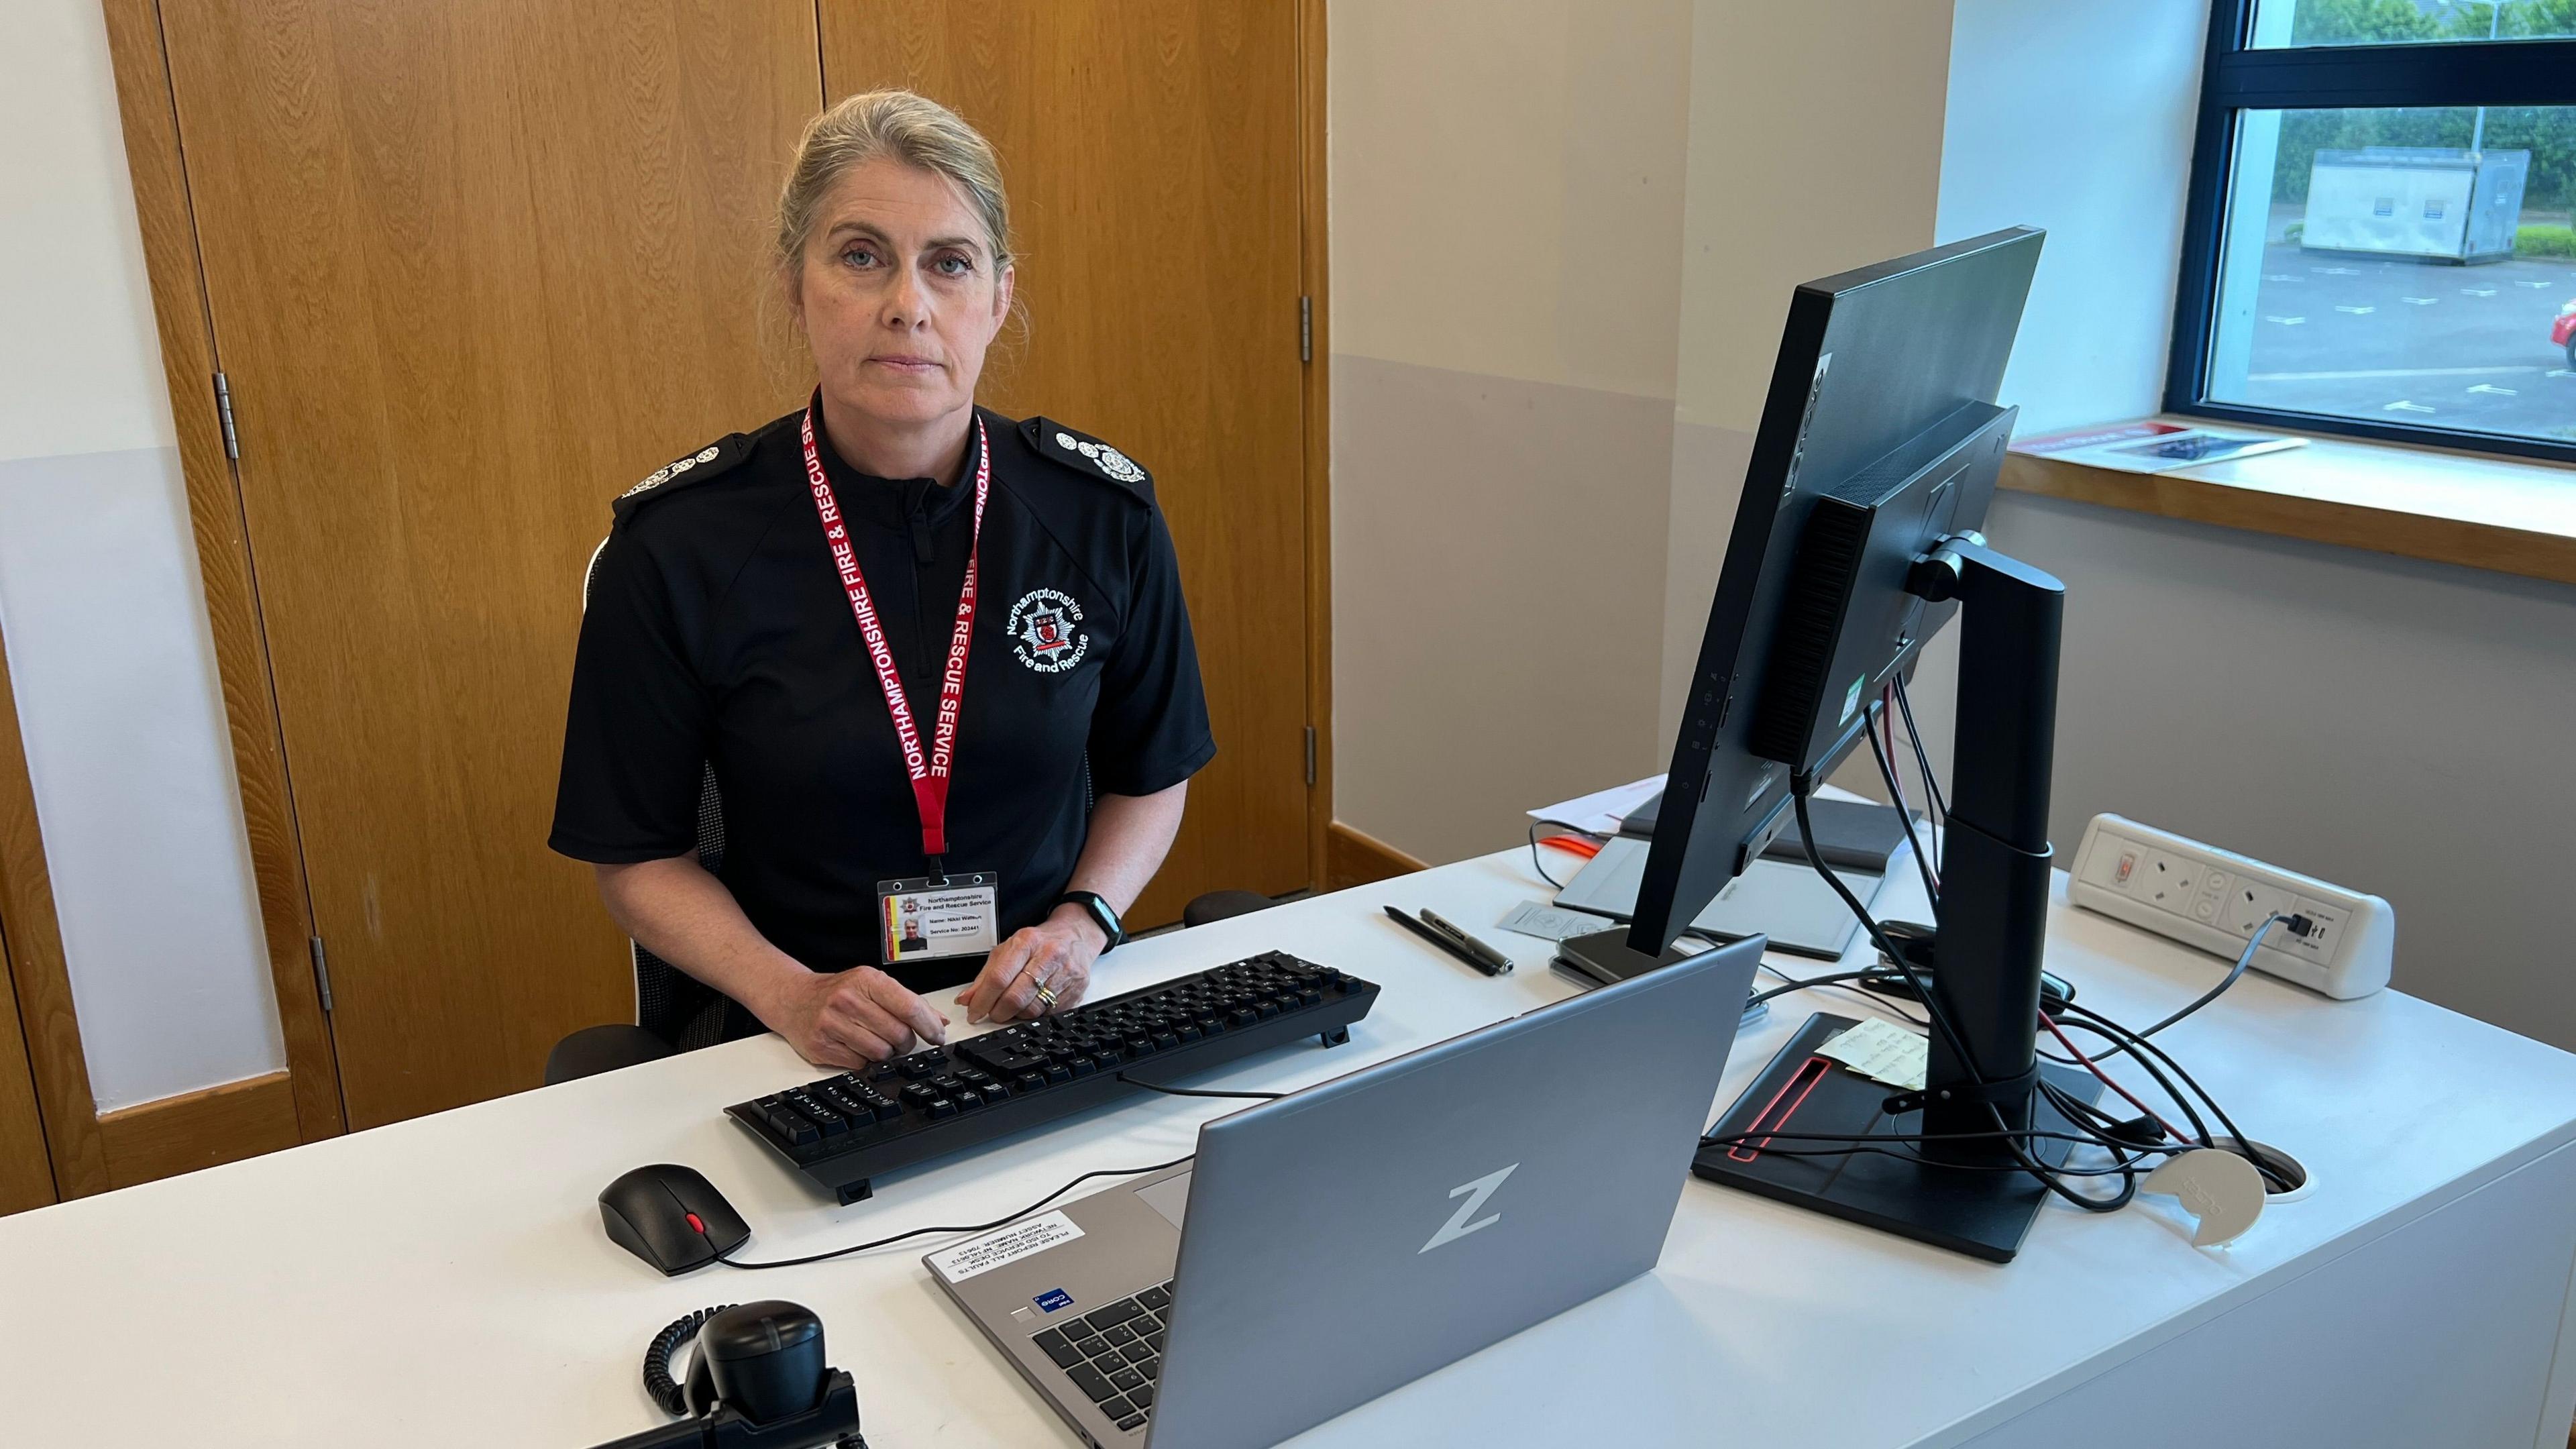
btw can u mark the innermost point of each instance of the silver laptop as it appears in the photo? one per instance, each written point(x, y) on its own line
point(1332, 1245)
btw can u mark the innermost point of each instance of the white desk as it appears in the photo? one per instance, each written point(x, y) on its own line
point(445, 1281)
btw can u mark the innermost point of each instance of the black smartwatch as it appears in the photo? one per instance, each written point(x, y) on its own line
point(1100, 912)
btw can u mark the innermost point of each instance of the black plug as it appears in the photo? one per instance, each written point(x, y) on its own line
point(2300, 926)
point(2137, 1132)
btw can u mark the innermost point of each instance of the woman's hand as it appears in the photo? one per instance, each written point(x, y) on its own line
point(851, 1018)
point(1055, 953)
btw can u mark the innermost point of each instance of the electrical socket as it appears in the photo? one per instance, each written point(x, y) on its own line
point(2248, 902)
point(2213, 900)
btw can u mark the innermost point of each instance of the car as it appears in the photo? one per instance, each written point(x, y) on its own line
point(2563, 331)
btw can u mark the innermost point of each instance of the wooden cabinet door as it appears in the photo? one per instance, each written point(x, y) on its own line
point(473, 266)
point(1151, 151)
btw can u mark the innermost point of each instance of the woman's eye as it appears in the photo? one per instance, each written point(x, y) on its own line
point(953, 265)
point(860, 256)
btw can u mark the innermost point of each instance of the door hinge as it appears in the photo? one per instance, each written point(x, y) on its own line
point(1310, 756)
point(224, 407)
point(321, 972)
point(1305, 333)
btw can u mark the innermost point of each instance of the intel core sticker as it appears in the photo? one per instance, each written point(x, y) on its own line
point(1054, 1299)
point(1851, 701)
point(1009, 1245)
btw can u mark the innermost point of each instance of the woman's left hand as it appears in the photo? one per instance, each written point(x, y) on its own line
point(1055, 953)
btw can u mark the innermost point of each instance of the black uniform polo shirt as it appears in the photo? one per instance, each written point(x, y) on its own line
point(716, 632)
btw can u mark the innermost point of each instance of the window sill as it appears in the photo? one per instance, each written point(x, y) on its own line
point(2509, 516)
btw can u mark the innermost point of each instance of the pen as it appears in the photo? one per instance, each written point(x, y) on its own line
point(1452, 940)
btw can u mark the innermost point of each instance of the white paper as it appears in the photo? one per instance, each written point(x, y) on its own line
point(1883, 1052)
point(1008, 1245)
point(1549, 923)
point(1601, 811)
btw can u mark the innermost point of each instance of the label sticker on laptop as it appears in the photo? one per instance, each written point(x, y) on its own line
point(1009, 1245)
point(1053, 1299)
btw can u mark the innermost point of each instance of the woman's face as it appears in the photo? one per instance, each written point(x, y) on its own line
point(898, 294)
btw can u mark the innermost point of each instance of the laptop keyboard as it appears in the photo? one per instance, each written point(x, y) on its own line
point(1115, 1354)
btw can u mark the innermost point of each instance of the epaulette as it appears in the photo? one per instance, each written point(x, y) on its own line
point(1087, 455)
point(707, 462)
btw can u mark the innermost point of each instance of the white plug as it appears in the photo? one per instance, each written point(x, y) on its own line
point(2214, 900)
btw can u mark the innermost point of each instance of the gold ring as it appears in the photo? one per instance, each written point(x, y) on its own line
point(1046, 995)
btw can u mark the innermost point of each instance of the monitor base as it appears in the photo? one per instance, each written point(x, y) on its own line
point(1984, 1214)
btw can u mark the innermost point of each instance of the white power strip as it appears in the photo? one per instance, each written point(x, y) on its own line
point(2214, 900)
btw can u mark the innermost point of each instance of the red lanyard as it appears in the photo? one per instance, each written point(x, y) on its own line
point(929, 774)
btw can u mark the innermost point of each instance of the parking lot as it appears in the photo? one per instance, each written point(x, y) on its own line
point(2414, 342)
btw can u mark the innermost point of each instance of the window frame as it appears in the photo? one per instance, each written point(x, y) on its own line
point(2234, 79)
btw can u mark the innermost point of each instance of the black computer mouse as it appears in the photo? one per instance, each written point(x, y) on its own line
point(671, 1217)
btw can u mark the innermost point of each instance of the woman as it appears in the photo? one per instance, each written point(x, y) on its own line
point(835, 610)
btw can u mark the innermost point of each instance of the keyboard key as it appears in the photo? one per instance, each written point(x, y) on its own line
point(1118, 1408)
point(1092, 1383)
point(1154, 1298)
point(1154, 1340)
point(1090, 1345)
point(1118, 1312)
point(1132, 1421)
point(1119, 1333)
point(1151, 1368)
point(1143, 1398)
point(1060, 1350)
point(1126, 1379)
point(941, 1107)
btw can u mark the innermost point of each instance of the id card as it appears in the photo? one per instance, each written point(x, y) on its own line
point(924, 919)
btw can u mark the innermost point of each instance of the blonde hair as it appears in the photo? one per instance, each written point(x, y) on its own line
point(910, 128)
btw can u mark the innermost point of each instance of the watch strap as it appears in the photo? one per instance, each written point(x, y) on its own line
point(1101, 912)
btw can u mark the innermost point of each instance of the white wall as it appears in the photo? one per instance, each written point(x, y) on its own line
point(104, 622)
point(2375, 721)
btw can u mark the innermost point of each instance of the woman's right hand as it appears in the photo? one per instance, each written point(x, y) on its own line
point(851, 1018)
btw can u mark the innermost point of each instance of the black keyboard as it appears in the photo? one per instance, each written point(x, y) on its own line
point(842, 1131)
point(1115, 1355)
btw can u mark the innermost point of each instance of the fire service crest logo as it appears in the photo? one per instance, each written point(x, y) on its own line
point(1046, 631)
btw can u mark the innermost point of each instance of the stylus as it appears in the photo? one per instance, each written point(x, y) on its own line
point(1424, 930)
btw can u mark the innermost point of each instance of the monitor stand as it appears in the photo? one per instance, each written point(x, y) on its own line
point(1992, 926)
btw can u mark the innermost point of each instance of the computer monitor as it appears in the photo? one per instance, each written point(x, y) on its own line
point(1854, 541)
point(1879, 369)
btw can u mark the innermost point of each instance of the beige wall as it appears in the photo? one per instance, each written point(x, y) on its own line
point(1815, 147)
point(1506, 202)
point(1564, 237)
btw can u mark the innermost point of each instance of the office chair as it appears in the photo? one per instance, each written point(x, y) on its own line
point(675, 1012)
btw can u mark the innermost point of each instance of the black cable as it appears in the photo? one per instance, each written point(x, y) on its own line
point(658, 1382)
point(1922, 759)
point(1533, 844)
point(958, 1227)
point(1197, 1092)
point(1799, 787)
point(2200, 1129)
point(2245, 1148)
point(1834, 982)
point(1896, 792)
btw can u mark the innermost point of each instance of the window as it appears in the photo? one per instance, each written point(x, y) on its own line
point(2378, 238)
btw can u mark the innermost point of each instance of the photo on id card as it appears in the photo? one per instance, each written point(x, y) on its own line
point(925, 918)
